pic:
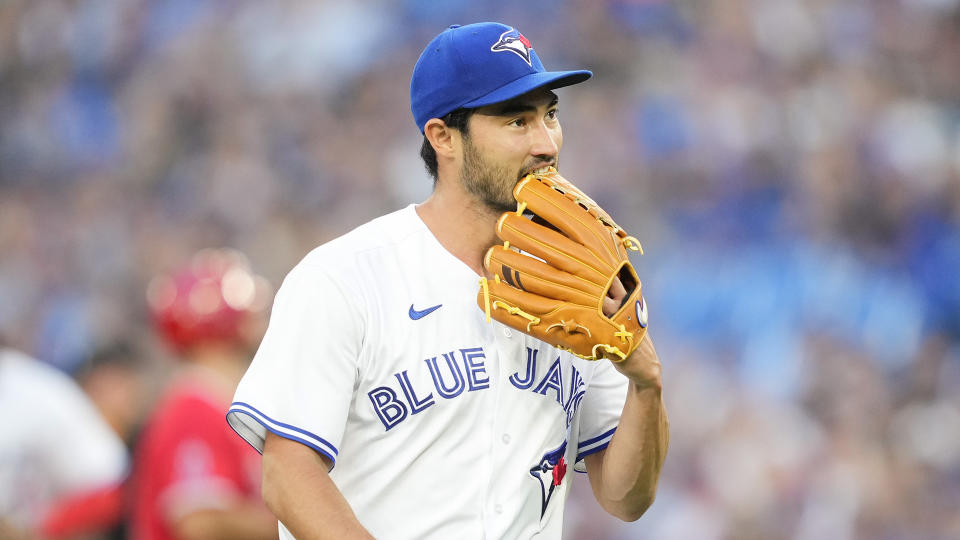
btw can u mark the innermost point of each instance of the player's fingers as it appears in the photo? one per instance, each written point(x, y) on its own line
point(532, 275)
point(610, 306)
point(617, 290)
point(614, 297)
point(553, 247)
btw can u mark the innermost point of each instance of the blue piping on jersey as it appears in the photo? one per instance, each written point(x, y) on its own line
point(592, 451)
point(333, 460)
point(597, 438)
point(584, 452)
point(318, 443)
point(321, 440)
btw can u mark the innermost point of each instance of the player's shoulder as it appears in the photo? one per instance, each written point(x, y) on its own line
point(24, 374)
point(345, 255)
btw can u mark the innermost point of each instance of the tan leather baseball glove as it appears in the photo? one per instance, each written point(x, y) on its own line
point(561, 255)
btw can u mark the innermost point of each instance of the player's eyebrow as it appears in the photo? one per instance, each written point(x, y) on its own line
point(512, 108)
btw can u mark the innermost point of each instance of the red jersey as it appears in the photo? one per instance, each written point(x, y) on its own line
point(189, 459)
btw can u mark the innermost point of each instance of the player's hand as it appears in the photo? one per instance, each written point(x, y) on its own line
point(614, 298)
point(642, 367)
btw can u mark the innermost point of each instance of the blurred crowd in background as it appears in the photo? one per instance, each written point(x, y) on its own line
point(791, 167)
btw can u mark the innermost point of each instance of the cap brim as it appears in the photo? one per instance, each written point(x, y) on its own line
point(527, 83)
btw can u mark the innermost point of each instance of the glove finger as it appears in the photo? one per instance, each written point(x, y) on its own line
point(532, 275)
point(517, 309)
point(553, 247)
point(577, 220)
point(557, 323)
point(534, 304)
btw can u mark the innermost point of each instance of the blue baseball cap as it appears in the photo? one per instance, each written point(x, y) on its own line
point(475, 65)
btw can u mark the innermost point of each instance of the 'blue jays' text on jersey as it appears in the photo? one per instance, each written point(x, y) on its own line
point(439, 424)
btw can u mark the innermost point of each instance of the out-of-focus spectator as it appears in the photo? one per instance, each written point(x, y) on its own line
point(114, 378)
point(192, 478)
point(56, 454)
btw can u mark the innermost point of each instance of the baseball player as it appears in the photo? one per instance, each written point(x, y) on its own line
point(56, 451)
point(192, 477)
point(387, 405)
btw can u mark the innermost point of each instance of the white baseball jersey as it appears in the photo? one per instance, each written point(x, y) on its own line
point(54, 442)
point(439, 424)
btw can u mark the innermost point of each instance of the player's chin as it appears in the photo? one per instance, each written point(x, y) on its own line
point(501, 200)
point(501, 206)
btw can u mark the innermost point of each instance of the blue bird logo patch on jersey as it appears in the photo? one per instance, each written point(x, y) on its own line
point(550, 471)
point(512, 40)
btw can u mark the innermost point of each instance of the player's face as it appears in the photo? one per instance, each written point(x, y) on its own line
point(506, 142)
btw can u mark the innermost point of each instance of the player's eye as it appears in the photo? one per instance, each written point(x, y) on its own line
point(518, 122)
point(552, 114)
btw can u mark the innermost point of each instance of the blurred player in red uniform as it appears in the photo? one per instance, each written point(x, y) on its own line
point(193, 478)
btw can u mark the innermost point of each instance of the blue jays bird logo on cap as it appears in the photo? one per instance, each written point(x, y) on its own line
point(512, 40)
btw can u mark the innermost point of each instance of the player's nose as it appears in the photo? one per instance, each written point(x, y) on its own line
point(545, 142)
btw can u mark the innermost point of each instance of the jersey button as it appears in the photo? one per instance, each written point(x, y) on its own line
point(498, 509)
point(507, 332)
point(506, 438)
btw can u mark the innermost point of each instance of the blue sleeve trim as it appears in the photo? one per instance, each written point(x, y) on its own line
point(286, 430)
point(604, 435)
point(317, 438)
point(593, 450)
point(333, 459)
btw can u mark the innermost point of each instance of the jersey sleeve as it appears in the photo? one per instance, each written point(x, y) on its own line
point(600, 412)
point(300, 383)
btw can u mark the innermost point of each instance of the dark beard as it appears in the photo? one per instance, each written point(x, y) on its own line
point(488, 183)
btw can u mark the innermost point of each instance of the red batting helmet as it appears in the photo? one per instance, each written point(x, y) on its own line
point(212, 299)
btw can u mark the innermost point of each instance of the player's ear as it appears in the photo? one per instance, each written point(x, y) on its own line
point(441, 137)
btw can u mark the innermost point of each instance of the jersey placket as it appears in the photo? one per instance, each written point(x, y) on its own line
point(502, 504)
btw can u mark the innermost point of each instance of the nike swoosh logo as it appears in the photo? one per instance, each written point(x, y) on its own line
point(416, 315)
